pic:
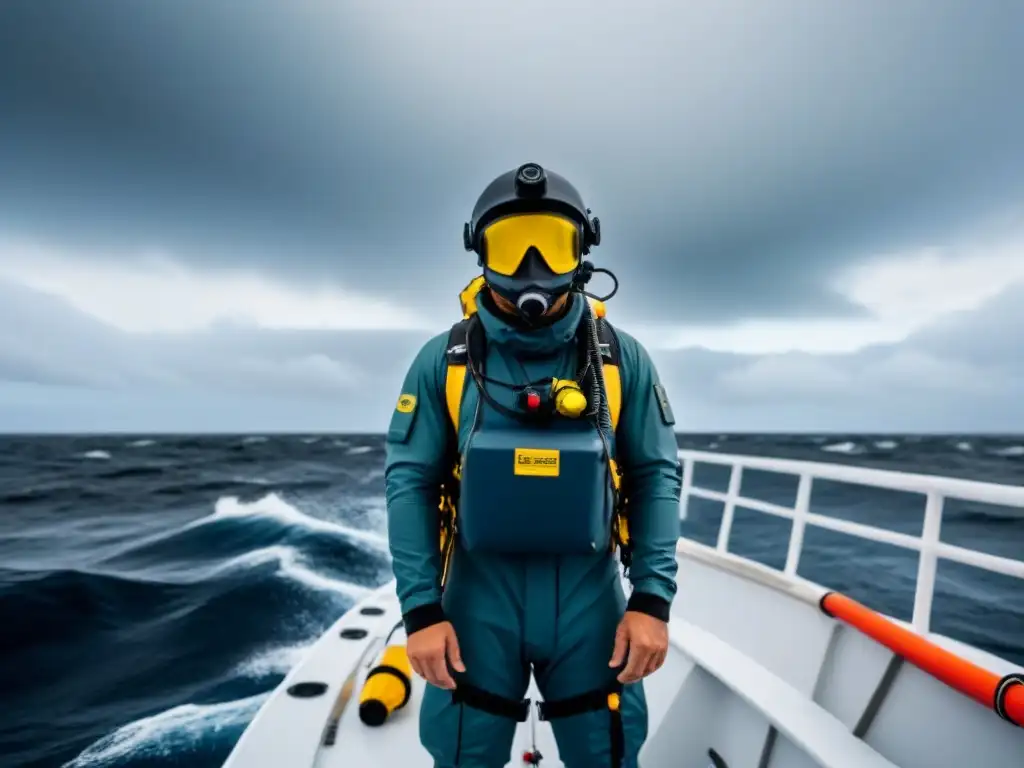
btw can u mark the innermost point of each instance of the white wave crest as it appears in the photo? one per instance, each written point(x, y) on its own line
point(253, 440)
point(355, 450)
point(291, 566)
point(847, 447)
point(173, 732)
point(963, 445)
point(99, 455)
point(273, 661)
point(273, 507)
point(141, 443)
point(182, 573)
point(289, 561)
point(1012, 451)
point(885, 445)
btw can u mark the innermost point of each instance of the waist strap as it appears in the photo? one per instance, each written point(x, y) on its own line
point(492, 703)
point(519, 709)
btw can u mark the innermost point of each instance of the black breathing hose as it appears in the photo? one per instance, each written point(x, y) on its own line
point(598, 398)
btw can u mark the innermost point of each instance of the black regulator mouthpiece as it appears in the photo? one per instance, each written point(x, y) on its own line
point(533, 304)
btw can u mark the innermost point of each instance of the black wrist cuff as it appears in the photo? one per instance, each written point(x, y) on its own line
point(422, 617)
point(652, 605)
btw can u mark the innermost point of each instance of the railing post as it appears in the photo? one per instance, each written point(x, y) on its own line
point(926, 565)
point(735, 480)
point(796, 537)
point(684, 495)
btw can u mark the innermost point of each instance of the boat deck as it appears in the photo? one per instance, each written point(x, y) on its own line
point(765, 669)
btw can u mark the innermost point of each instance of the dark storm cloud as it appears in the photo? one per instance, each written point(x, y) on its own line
point(738, 155)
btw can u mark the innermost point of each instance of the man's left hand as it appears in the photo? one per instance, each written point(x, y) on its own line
point(645, 638)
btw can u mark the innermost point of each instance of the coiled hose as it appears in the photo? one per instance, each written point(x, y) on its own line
point(595, 377)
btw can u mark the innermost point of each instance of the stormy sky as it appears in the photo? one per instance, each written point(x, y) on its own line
point(239, 216)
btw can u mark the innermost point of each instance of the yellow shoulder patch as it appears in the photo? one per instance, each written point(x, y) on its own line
point(406, 404)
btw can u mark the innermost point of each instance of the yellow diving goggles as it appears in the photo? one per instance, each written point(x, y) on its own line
point(507, 240)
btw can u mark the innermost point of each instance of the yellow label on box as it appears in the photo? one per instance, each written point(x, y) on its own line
point(406, 404)
point(536, 462)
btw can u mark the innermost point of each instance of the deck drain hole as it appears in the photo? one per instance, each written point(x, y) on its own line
point(371, 610)
point(353, 633)
point(307, 690)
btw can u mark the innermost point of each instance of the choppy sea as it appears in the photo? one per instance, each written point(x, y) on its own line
point(154, 589)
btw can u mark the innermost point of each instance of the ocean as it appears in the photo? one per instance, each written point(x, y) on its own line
point(154, 589)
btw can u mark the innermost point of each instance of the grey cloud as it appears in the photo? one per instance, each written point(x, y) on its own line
point(340, 373)
point(234, 378)
point(963, 373)
point(46, 341)
point(738, 156)
point(344, 370)
point(991, 338)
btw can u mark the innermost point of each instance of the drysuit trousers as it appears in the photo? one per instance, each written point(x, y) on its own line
point(556, 616)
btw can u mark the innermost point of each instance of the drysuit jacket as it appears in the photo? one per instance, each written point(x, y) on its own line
point(554, 614)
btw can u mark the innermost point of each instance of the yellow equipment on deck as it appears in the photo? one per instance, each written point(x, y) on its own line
point(387, 688)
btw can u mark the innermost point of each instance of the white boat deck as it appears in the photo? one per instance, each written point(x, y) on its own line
point(756, 672)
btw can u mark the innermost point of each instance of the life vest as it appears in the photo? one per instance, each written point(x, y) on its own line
point(457, 355)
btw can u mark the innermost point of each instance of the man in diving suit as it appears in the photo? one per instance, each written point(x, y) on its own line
point(555, 458)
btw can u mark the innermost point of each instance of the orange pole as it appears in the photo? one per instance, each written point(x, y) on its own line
point(1013, 704)
point(970, 679)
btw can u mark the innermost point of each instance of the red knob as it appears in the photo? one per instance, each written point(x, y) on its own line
point(532, 401)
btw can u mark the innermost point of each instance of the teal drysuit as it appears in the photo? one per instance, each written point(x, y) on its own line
point(554, 614)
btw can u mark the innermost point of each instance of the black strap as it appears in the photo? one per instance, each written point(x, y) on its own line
point(618, 737)
point(609, 341)
point(464, 333)
point(456, 349)
point(593, 701)
point(457, 353)
point(492, 703)
point(460, 336)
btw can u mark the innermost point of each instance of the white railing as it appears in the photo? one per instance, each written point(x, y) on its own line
point(934, 488)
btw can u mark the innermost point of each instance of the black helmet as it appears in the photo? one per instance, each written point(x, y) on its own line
point(530, 189)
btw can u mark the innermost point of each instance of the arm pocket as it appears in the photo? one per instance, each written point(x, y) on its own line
point(661, 396)
point(402, 419)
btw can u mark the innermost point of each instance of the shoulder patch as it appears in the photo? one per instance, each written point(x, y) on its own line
point(667, 417)
point(406, 404)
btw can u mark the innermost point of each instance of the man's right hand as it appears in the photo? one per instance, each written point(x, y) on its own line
point(430, 648)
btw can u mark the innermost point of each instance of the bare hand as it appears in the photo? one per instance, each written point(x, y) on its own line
point(430, 648)
point(646, 640)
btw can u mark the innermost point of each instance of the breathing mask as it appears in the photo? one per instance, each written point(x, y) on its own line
point(530, 230)
point(531, 260)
